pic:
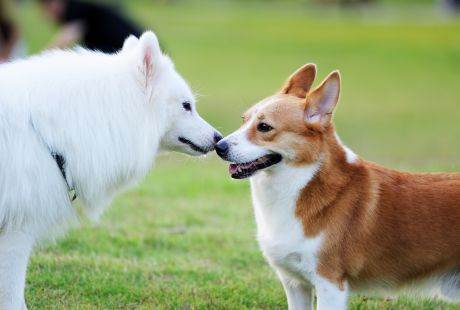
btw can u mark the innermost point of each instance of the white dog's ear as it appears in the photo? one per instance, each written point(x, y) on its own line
point(130, 43)
point(299, 83)
point(321, 102)
point(149, 53)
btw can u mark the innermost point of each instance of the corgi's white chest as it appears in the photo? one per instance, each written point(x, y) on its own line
point(280, 232)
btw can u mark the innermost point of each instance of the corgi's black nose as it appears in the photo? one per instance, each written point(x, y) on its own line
point(217, 137)
point(222, 148)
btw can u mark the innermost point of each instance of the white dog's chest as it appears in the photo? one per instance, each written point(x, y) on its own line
point(280, 232)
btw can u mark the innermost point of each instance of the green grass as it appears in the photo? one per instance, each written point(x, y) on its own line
point(184, 238)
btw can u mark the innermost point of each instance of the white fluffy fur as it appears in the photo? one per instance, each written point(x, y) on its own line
point(108, 115)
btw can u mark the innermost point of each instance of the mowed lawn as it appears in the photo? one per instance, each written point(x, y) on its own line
point(185, 237)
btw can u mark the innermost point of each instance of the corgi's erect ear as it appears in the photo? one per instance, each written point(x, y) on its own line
point(149, 53)
point(130, 43)
point(299, 83)
point(322, 101)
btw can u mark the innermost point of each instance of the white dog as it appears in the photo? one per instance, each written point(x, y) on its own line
point(84, 122)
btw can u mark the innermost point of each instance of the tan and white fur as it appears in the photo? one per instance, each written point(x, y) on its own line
point(332, 223)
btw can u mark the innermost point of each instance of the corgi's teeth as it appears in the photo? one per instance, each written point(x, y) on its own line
point(239, 169)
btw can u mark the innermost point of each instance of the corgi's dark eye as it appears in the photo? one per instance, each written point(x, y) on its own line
point(187, 106)
point(264, 127)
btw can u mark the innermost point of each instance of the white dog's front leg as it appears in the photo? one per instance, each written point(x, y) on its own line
point(299, 296)
point(330, 296)
point(14, 255)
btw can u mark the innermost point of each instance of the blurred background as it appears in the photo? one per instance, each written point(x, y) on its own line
point(184, 238)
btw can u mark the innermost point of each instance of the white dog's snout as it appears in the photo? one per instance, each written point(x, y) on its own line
point(201, 134)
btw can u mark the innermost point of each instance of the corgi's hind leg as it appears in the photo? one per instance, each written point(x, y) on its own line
point(450, 285)
point(14, 255)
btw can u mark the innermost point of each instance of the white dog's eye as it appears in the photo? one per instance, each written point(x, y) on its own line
point(187, 106)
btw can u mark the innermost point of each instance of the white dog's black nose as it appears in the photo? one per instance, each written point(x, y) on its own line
point(222, 148)
point(217, 137)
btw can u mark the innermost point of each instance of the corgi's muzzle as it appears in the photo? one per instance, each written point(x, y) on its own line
point(243, 170)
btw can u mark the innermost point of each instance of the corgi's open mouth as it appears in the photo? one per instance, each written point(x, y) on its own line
point(245, 170)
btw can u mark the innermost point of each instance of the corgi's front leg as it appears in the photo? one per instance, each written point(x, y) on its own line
point(299, 296)
point(330, 296)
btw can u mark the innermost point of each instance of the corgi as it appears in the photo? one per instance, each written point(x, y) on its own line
point(332, 223)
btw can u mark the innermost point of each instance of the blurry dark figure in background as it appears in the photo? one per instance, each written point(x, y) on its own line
point(452, 5)
point(11, 46)
point(93, 25)
point(346, 3)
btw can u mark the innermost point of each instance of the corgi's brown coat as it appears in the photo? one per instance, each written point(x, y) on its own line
point(329, 219)
point(382, 226)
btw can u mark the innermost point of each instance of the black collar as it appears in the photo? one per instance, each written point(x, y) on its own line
point(60, 161)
